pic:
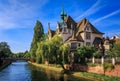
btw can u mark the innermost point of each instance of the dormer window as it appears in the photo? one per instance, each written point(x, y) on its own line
point(87, 28)
point(88, 35)
point(64, 30)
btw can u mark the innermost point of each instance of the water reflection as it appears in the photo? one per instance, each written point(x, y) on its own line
point(38, 74)
point(17, 71)
point(22, 71)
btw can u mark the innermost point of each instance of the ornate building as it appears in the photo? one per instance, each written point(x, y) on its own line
point(76, 33)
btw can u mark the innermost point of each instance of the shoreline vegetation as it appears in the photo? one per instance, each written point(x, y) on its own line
point(85, 75)
point(4, 65)
point(53, 68)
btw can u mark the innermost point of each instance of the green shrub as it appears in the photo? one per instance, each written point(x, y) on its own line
point(92, 65)
point(108, 66)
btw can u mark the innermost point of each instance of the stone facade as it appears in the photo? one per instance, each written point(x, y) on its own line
point(76, 33)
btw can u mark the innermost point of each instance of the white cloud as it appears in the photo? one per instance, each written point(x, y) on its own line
point(93, 9)
point(17, 11)
point(107, 16)
point(19, 14)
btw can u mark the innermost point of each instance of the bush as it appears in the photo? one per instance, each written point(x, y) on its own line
point(92, 65)
point(108, 66)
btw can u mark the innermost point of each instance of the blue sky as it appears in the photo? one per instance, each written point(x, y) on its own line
point(18, 17)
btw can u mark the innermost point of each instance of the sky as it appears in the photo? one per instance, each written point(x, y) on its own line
point(18, 17)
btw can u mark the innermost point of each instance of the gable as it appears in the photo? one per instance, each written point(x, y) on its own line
point(88, 28)
point(84, 24)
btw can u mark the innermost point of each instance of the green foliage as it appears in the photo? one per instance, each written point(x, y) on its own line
point(65, 51)
point(25, 55)
point(96, 54)
point(53, 51)
point(115, 51)
point(42, 52)
point(4, 50)
point(92, 65)
point(108, 66)
point(100, 77)
point(38, 34)
point(84, 52)
point(48, 50)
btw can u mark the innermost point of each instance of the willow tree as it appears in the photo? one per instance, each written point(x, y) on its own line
point(54, 45)
point(38, 33)
point(64, 53)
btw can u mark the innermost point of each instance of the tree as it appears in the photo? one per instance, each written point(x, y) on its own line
point(84, 52)
point(26, 55)
point(64, 51)
point(55, 43)
point(49, 49)
point(115, 51)
point(5, 49)
point(38, 33)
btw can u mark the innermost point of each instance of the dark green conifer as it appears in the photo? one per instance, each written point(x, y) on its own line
point(38, 33)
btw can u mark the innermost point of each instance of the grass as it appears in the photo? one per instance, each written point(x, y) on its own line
point(50, 67)
point(96, 77)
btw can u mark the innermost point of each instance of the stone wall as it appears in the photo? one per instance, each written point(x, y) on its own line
point(114, 72)
point(97, 69)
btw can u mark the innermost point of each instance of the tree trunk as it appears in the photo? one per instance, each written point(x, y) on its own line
point(62, 66)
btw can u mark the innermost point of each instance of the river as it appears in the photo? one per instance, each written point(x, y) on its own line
point(22, 71)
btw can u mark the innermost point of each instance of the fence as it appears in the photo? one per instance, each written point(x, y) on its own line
point(102, 60)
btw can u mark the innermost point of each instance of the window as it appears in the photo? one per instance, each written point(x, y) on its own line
point(79, 44)
point(64, 30)
point(88, 44)
point(87, 28)
point(69, 31)
point(88, 35)
point(73, 45)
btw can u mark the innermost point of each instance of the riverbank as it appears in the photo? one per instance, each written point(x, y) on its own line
point(53, 68)
point(5, 65)
point(85, 75)
point(46, 67)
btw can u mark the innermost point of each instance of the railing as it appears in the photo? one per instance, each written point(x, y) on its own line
point(105, 60)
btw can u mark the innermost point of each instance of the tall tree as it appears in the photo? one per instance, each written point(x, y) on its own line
point(38, 33)
point(5, 49)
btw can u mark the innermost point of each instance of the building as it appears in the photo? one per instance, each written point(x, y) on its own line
point(109, 42)
point(76, 33)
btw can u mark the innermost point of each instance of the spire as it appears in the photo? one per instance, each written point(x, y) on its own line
point(63, 14)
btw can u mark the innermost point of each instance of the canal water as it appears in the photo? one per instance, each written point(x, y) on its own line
point(22, 71)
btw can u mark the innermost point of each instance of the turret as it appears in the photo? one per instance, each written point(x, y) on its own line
point(63, 15)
